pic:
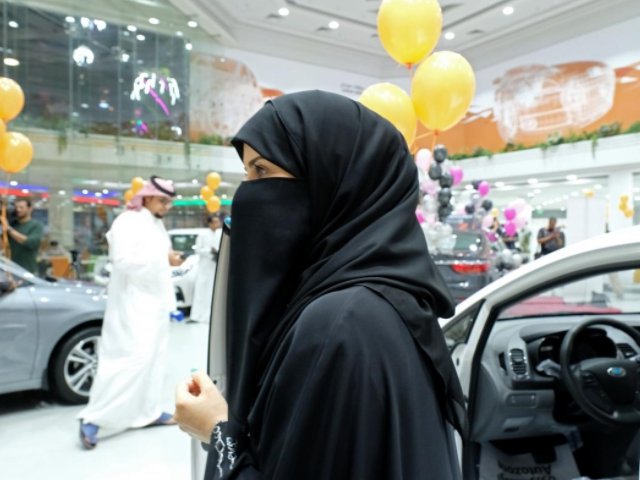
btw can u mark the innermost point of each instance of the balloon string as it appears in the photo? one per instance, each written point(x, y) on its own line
point(434, 139)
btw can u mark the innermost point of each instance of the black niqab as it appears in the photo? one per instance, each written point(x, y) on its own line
point(358, 228)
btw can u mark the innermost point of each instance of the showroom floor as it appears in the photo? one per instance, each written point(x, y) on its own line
point(39, 438)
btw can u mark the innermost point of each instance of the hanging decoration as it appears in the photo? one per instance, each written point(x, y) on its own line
point(207, 192)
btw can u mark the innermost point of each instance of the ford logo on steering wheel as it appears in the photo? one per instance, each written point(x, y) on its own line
point(616, 372)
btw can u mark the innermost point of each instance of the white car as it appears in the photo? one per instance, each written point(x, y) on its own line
point(549, 359)
point(184, 276)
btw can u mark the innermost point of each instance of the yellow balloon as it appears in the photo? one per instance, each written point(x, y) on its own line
point(495, 212)
point(11, 99)
point(136, 184)
point(628, 213)
point(442, 90)
point(213, 180)
point(16, 153)
point(409, 29)
point(128, 195)
point(213, 204)
point(624, 199)
point(206, 193)
point(394, 104)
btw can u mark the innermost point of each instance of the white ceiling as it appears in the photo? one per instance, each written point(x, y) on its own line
point(482, 33)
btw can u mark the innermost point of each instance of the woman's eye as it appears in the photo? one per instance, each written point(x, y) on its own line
point(260, 170)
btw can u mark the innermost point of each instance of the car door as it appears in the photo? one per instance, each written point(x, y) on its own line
point(18, 332)
point(216, 364)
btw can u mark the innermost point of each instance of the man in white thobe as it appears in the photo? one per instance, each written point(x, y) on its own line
point(206, 247)
point(127, 389)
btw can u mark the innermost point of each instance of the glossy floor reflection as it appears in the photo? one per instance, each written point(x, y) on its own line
point(39, 437)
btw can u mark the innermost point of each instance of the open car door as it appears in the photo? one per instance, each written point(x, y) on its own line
point(217, 352)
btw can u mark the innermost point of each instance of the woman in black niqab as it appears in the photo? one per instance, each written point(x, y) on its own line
point(336, 365)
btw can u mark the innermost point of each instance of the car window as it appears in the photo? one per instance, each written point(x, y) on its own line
point(183, 242)
point(468, 242)
point(615, 292)
point(457, 331)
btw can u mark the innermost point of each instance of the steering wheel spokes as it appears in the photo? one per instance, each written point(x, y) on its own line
point(607, 389)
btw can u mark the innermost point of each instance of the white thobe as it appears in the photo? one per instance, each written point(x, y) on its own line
point(203, 289)
point(127, 389)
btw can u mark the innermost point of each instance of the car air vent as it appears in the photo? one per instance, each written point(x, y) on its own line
point(626, 349)
point(518, 362)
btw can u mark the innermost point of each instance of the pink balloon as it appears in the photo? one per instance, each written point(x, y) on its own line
point(518, 204)
point(429, 187)
point(419, 216)
point(510, 229)
point(487, 221)
point(484, 188)
point(457, 174)
point(510, 213)
point(424, 159)
point(520, 222)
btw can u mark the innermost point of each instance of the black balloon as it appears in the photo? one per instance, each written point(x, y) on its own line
point(444, 212)
point(440, 153)
point(487, 205)
point(470, 209)
point(446, 180)
point(444, 196)
point(476, 184)
point(435, 171)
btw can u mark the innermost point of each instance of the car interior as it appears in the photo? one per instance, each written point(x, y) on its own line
point(558, 386)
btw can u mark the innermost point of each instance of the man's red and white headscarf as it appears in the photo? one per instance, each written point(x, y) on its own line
point(155, 187)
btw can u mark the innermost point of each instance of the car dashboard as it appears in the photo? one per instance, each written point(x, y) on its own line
point(520, 393)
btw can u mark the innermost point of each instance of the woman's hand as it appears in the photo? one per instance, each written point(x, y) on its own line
point(199, 406)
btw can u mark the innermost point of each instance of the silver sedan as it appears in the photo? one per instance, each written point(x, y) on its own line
point(49, 333)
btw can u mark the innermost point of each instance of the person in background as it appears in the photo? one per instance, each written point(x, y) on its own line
point(550, 238)
point(25, 235)
point(337, 366)
point(127, 388)
point(510, 241)
point(206, 248)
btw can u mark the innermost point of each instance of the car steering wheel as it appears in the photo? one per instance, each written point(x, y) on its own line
point(607, 389)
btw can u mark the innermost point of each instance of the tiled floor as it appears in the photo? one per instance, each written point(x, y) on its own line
point(39, 437)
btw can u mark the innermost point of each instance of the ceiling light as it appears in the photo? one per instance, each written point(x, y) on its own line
point(192, 24)
point(572, 178)
point(499, 184)
point(132, 28)
point(11, 62)
point(195, 181)
point(83, 56)
point(13, 24)
point(69, 19)
point(61, 192)
point(334, 25)
point(532, 181)
point(154, 21)
point(85, 192)
point(13, 183)
point(84, 105)
point(283, 12)
point(508, 10)
point(85, 22)
point(140, 37)
point(124, 57)
point(449, 35)
point(179, 33)
point(179, 197)
point(100, 24)
point(105, 191)
point(188, 46)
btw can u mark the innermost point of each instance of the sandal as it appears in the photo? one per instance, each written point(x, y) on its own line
point(164, 419)
point(88, 435)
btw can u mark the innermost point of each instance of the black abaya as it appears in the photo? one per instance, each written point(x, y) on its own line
point(336, 366)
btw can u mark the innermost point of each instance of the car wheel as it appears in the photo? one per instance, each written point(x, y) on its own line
point(75, 366)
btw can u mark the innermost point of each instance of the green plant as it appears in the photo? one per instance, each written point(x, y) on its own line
point(211, 139)
point(633, 128)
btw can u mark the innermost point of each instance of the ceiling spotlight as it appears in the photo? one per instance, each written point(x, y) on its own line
point(61, 192)
point(154, 21)
point(532, 181)
point(13, 183)
point(195, 181)
point(83, 56)
point(283, 12)
point(85, 191)
point(499, 184)
point(132, 28)
point(179, 33)
point(124, 57)
point(100, 24)
point(85, 22)
point(69, 19)
point(188, 46)
point(449, 35)
point(105, 191)
point(192, 24)
point(508, 10)
point(140, 37)
point(11, 62)
point(13, 24)
point(334, 25)
point(572, 178)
